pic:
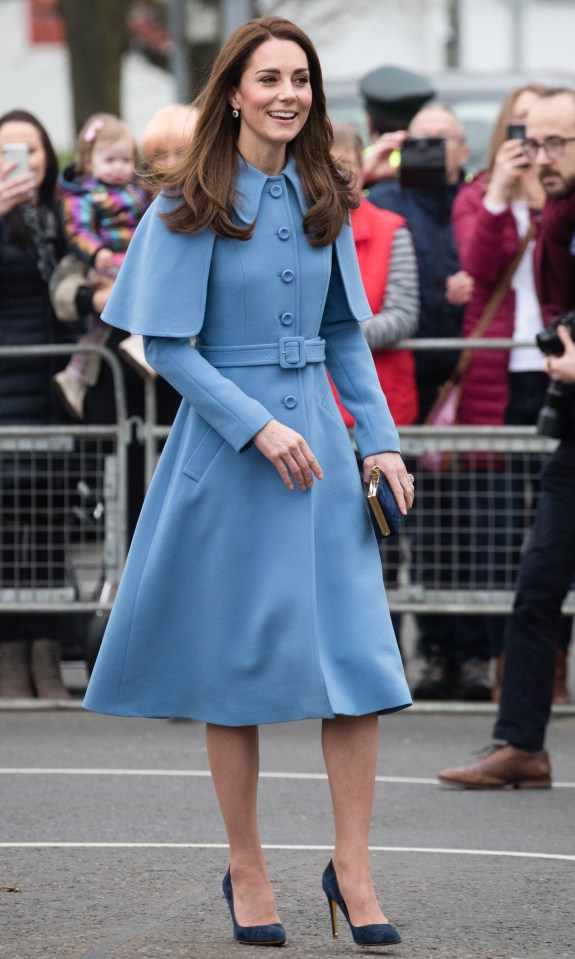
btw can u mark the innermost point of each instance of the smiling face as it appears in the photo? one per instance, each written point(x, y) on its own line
point(273, 98)
point(112, 162)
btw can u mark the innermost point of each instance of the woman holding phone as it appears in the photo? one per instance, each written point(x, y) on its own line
point(31, 243)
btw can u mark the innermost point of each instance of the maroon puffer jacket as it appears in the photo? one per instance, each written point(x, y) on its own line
point(487, 244)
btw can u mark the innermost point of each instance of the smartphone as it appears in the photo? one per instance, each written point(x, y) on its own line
point(422, 164)
point(516, 131)
point(16, 153)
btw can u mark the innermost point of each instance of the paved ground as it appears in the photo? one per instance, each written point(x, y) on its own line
point(113, 839)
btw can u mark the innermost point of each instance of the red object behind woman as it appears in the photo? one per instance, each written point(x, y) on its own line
point(389, 272)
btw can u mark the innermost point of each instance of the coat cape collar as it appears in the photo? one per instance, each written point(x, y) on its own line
point(251, 183)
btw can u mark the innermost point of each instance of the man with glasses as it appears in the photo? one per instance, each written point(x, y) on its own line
point(518, 758)
point(550, 145)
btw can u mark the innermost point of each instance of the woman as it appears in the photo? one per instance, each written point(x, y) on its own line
point(268, 599)
point(490, 216)
point(31, 243)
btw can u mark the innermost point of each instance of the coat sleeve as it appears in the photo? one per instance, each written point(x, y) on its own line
point(351, 367)
point(486, 242)
point(235, 415)
point(399, 315)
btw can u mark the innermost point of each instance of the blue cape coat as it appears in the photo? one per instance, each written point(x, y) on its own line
point(243, 602)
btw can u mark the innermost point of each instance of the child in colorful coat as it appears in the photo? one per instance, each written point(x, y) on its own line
point(101, 207)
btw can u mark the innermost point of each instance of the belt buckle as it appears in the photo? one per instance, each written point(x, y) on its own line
point(292, 352)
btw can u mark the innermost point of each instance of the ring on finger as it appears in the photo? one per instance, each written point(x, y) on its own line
point(411, 478)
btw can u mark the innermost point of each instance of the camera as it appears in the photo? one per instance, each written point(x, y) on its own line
point(554, 418)
point(423, 163)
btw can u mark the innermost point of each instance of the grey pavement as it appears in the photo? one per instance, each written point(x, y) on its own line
point(463, 875)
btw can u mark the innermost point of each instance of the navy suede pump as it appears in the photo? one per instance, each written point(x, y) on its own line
point(377, 934)
point(272, 935)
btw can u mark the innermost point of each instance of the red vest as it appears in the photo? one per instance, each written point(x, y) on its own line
point(373, 232)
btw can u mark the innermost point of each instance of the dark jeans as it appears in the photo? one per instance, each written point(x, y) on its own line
point(491, 554)
point(534, 628)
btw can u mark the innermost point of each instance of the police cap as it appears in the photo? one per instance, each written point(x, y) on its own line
point(393, 96)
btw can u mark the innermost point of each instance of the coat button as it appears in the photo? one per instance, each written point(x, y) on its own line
point(289, 402)
point(283, 233)
point(287, 276)
point(276, 190)
point(287, 319)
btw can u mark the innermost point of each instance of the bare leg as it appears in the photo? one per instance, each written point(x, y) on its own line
point(233, 752)
point(350, 753)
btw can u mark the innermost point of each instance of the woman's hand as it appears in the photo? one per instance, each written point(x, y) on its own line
point(509, 168)
point(393, 468)
point(289, 453)
point(14, 190)
point(458, 288)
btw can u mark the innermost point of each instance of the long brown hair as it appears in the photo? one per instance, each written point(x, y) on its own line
point(499, 134)
point(205, 178)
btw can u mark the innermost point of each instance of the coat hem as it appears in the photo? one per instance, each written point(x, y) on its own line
point(267, 720)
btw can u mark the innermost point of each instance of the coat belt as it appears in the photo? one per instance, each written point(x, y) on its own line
point(291, 353)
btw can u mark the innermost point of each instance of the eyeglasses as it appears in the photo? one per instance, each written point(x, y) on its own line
point(553, 147)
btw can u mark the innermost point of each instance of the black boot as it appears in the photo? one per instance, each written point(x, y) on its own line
point(473, 683)
point(436, 679)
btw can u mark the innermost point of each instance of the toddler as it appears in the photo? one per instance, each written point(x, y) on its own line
point(101, 207)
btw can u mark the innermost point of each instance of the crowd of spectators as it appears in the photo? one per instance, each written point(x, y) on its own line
point(431, 258)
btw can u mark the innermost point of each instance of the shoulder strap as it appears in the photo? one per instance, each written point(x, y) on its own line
point(495, 301)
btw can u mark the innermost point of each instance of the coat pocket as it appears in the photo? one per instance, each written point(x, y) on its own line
point(204, 454)
point(329, 406)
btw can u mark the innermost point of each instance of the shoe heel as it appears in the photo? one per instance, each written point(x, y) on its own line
point(333, 916)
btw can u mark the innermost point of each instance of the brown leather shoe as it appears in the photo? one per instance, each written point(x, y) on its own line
point(501, 767)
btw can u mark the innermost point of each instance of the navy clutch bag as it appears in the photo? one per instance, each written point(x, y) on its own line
point(385, 514)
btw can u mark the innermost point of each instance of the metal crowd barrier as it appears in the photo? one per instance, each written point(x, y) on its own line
point(63, 505)
point(459, 551)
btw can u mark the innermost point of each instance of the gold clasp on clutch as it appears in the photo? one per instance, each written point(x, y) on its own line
point(374, 480)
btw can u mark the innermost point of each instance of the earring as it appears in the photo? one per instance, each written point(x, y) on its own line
point(235, 113)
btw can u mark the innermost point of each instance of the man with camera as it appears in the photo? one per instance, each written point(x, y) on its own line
point(433, 154)
point(518, 758)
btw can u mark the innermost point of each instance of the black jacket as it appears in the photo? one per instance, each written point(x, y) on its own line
point(26, 318)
